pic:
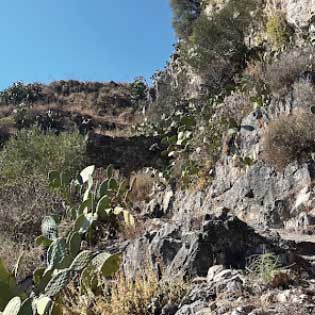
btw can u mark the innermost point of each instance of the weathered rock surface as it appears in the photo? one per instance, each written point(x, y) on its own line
point(299, 12)
point(223, 240)
point(126, 154)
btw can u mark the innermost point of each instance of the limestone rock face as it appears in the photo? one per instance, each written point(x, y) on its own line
point(299, 12)
point(222, 240)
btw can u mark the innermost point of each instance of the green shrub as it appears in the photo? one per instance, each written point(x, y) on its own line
point(24, 190)
point(14, 94)
point(138, 90)
point(34, 153)
point(278, 31)
point(264, 268)
point(185, 12)
point(216, 48)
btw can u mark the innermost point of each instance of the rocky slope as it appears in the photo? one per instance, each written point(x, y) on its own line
point(197, 232)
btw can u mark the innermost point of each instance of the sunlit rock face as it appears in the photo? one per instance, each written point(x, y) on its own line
point(299, 12)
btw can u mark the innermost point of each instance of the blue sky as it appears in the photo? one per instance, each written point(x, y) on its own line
point(97, 40)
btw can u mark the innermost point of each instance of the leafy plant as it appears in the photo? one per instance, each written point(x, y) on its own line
point(33, 152)
point(185, 12)
point(138, 90)
point(215, 48)
point(278, 31)
point(65, 259)
point(264, 267)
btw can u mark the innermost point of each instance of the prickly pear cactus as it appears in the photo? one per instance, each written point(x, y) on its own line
point(58, 282)
point(56, 253)
point(128, 217)
point(103, 203)
point(49, 228)
point(42, 304)
point(106, 263)
point(82, 260)
point(74, 243)
point(84, 222)
point(86, 174)
point(7, 285)
point(13, 307)
point(102, 190)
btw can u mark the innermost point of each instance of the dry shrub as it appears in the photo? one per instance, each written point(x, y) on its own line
point(282, 73)
point(255, 70)
point(127, 296)
point(304, 95)
point(126, 118)
point(22, 207)
point(10, 252)
point(4, 134)
point(236, 107)
point(289, 138)
point(142, 186)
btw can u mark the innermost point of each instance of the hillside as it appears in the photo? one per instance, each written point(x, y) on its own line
point(201, 200)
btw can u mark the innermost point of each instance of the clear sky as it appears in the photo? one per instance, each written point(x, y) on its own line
point(97, 40)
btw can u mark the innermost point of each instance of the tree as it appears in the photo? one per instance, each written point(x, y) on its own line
point(185, 12)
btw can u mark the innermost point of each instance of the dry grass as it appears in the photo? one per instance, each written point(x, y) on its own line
point(126, 296)
point(289, 138)
point(304, 95)
point(236, 107)
point(142, 186)
point(10, 251)
point(282, 73)
point(277, 29)
point(22, 207)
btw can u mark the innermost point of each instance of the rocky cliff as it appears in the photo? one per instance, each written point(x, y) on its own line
point(250, 177)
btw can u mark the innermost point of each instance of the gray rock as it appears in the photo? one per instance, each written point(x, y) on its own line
point(262, 196)
point(169, 309)
point(201, 292)
point(213, 271)
point(223, 239)
point(299, 12)
point(192, 309)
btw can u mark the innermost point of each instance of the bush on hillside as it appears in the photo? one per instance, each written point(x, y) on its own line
point(278, 31)
point(138, 90)
point(185, 12)
point(290, 138)
point(128, 296)
point(4, 135)
point(35, 153)
point(235, 108)
point(142, 186)
point(24, 165)
point(304, 95)
point(289, 67)
point(216, 46)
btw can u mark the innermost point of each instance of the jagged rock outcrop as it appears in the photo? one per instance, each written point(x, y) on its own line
point(223, 240)
point(299, 12)
point(125, 153)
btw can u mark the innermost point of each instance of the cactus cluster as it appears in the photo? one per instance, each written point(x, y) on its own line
point(65, 259)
